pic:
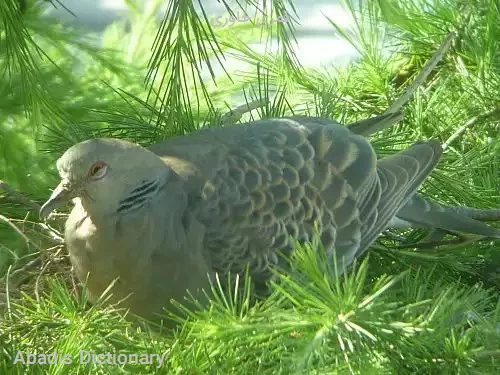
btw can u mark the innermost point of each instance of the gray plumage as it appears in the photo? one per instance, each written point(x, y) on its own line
point(419, 212)
point(161, 219)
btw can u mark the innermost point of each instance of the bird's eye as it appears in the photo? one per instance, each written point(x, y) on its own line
point(98, 170)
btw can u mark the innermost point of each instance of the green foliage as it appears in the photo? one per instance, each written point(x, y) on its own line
point(399, 311)
point(313, 322)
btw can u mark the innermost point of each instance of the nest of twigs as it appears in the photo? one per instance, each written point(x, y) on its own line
point(46, 256)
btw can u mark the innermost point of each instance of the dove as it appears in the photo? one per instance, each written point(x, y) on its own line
point(157, 223)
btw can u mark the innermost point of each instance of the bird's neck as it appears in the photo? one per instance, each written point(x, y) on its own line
point(140, 195)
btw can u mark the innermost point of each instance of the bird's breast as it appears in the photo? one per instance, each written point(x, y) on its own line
point(102, 252)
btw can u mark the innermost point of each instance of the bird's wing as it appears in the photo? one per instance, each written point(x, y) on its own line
point(260, 183)
point(399, 176)
point(255, 185)
point(373, 190)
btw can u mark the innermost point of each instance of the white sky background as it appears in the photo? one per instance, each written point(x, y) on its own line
point(317, 43)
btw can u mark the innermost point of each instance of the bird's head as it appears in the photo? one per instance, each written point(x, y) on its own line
point(108, 175)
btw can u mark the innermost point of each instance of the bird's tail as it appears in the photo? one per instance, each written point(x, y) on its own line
point(423, 213)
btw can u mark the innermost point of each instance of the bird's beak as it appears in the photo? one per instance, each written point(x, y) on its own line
point(62, 193)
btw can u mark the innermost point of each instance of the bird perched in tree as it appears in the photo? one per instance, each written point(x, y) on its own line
point(159, 220)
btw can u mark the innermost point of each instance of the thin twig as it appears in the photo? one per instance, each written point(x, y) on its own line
point(424, 73)
point(235, 115)
point(54, 234)
point(369, 126)
point(19, 231)
point(432, 244)
point(21, 275)
point(18, 197)
point(7, 293)
point(471, 122)
point(29, 265)
point(37, 281)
